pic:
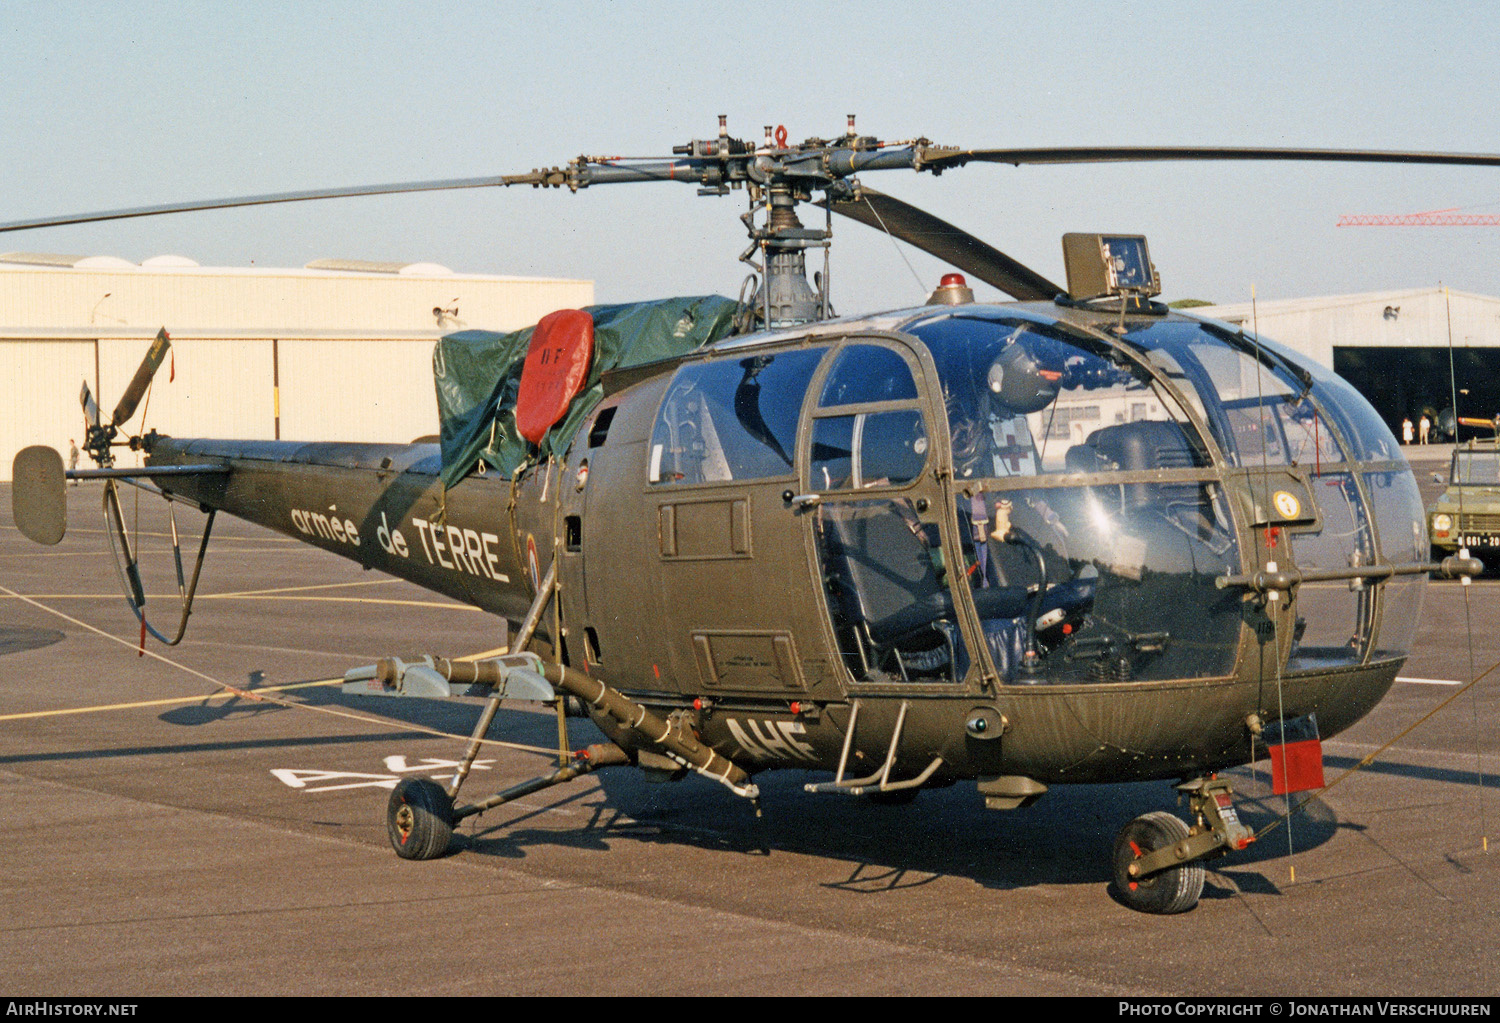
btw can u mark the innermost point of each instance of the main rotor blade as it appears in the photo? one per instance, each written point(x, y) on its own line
point(942, 158)
point(276, 197)
point(572, 177)
point(155, 356)
point(950, 244)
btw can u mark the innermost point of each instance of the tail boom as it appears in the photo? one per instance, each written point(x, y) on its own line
point(381, 505)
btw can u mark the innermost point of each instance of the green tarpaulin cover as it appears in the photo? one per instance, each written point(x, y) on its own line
point(478, 373)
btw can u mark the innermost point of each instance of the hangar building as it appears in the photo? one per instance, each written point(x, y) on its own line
point(336, 350)
point(1393, 345)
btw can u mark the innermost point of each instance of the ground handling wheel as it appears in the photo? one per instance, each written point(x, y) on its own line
point(1174, 890)
point(419, 819)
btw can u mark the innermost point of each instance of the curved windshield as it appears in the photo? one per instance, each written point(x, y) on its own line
point(1475, 468)
point(856, 446)
point(1089, 496)
point(1367, 435)
point(1026, 398)
point(1400, 521)
point(1266, 406)
point(890, 595)
point(1259, 411)
point(1091, 522)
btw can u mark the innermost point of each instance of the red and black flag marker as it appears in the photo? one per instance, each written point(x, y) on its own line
point(1296, 754)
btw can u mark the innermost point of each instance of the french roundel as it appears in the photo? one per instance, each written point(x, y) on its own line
point(557, 363)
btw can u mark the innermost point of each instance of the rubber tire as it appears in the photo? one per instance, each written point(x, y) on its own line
point(419, 819)
point(1174, 890)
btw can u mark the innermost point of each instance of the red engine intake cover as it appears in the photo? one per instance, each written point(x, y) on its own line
point(557, 363)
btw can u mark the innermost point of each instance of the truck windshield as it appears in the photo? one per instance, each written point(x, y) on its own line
point(1476, 467)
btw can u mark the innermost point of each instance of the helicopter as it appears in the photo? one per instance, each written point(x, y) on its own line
point(1075, 538)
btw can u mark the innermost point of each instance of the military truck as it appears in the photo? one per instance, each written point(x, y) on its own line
point(1467, 514)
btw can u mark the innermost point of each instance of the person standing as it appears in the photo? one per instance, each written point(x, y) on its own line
point(1406, 430)
point(1424, 427)
point(72, 457)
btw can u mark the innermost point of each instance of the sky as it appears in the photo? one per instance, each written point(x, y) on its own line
point(106, 105)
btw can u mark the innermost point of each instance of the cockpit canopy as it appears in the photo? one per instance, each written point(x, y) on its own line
point(1257, 403)
point(1103, 474)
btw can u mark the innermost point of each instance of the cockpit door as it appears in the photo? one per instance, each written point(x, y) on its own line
point(731, 564)
point(881, 522)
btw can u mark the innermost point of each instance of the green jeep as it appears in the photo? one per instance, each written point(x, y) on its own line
point(1468, 512)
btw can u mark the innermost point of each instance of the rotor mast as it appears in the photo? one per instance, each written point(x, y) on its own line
point(778, 240)
point(785, 298)
point(776, 175)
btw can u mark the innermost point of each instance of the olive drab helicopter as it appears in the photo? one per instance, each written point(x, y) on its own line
point(1063, 539)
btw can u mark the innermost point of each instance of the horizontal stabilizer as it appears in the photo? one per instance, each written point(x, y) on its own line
point(38, 499)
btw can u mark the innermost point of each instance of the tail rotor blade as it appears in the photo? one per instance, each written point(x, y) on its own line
point(155, 356)
point(90, 407)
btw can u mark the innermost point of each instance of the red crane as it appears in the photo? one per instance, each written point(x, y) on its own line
point(1432, 218)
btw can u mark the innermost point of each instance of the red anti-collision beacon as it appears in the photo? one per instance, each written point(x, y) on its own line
point(952, 290)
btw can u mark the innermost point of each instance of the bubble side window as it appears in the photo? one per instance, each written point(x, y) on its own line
point(731, 419)
point(868, 431)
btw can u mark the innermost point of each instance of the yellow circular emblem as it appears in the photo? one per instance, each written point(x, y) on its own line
point(1287, 504)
